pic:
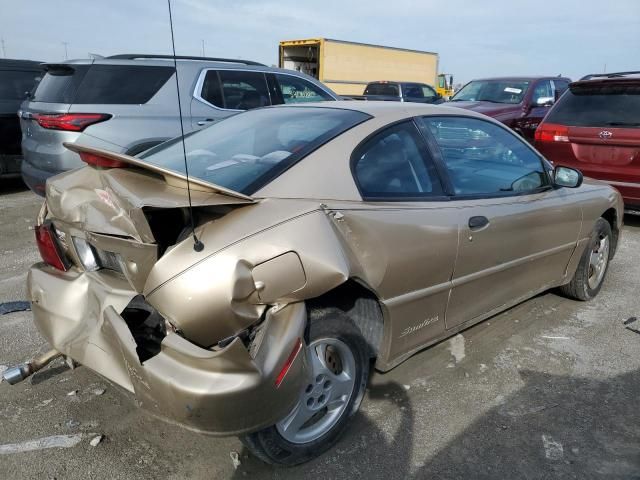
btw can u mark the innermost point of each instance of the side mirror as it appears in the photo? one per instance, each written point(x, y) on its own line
point(567, 177)
point(544, 101)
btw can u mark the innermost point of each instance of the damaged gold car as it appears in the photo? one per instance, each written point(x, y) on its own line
point(322, 240)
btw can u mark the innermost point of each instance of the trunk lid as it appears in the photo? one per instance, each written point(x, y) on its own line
point(129, 216)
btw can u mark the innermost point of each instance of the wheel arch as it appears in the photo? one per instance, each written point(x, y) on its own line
point(611, 216)
point(361, 304)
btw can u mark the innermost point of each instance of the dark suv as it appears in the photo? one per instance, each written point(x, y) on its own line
point(17, 79)
point(128, 103)
point(518, 102)
point(595, 127)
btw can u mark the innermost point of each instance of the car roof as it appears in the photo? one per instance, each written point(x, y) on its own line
point(530, 79)
point(161, 60)
point(379, 109)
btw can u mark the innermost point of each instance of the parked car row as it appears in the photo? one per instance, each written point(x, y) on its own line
point(128, 104)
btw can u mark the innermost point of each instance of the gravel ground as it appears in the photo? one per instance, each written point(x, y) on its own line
point(545, 390)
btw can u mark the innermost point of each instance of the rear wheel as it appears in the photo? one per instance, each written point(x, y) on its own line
point(339, 364)
point(589, 276)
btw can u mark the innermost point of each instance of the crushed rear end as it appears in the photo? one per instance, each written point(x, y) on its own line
point(101, 233)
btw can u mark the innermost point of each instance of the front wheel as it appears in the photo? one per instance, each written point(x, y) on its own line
point(339, 370)
point(589, 276)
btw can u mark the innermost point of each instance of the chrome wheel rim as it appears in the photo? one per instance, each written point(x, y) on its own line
point(326, 393)
point(598, 262)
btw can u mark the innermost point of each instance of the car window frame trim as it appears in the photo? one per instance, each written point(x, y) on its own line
point(425, 154)
point(473, 196)
point(201, 76)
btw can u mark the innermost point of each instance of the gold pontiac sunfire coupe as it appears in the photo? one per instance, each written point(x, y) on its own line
point(326, 238)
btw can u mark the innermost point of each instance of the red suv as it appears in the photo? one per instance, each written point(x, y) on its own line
point(595, 127)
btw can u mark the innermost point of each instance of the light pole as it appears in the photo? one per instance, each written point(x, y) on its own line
point(4, 50)
point(203, 48)
point(66, 55)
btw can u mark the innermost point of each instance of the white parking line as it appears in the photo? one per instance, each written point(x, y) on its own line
point(55, 441)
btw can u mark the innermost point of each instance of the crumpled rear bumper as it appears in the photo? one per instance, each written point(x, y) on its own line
point(224, 392)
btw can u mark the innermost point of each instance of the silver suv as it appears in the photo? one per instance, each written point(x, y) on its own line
point(128, 104)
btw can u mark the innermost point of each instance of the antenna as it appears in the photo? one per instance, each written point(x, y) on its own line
point(197, 244)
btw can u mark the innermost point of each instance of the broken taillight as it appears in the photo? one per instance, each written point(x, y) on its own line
point(101, 161)
point(287, 365)
point(49, 248)
point(72, 122)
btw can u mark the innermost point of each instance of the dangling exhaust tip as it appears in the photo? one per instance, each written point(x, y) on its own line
point(18, 373)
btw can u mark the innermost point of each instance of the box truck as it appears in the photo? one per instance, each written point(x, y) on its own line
point(347, 67)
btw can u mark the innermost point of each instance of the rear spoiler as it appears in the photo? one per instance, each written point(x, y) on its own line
point(173, 178)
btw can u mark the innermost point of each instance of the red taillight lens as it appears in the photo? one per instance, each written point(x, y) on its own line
point(551, 132)
point(72, 122)
point(101, 161)
point(49, 250)
point(287, 365)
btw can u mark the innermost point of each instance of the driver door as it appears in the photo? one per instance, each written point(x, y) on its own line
point(517, 232)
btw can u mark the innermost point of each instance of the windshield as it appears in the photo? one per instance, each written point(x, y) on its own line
point(247, 150)
point(494, 91)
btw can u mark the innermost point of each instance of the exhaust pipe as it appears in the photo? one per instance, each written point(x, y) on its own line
point(18, 373)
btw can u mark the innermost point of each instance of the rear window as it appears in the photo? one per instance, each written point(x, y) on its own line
point(603, 105)
point(14, 84)
point(245, 151)
point(388, 89)
point(102, 84)
point(59, 85)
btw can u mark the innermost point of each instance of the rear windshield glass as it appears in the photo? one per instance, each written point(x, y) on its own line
point(59, 85)
point(15, 84)
point(612, 105)
point(494, 91)
point(117, 84)
point(388, 89)
point(102, 84)
point(246, 151)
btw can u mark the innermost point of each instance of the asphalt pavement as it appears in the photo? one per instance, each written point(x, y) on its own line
point(548, 389)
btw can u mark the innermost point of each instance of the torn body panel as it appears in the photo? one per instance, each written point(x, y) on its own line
point(211, 391)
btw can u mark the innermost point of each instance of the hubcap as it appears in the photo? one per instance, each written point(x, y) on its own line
point(325, 395)
point(598, 262)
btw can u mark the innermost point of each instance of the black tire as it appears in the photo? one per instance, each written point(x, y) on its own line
point(578, 288)
point(268, 444)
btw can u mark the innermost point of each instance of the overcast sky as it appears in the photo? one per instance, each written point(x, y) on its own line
point(475, 38)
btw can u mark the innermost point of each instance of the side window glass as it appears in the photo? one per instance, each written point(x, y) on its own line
point(485, 159)
point(412, 91)
point(242, 90)
point(561, 86)
point(298, 90)
point(393, 164)
point(211, 91)
point(428, 92)
point(543, 94)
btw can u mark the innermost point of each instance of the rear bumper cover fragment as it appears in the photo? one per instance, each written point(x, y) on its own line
point(222, 392)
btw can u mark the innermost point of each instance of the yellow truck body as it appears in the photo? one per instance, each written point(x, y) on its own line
point(347, 67)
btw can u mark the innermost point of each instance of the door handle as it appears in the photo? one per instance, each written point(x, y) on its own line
point(205, 121)
point(476, 223)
